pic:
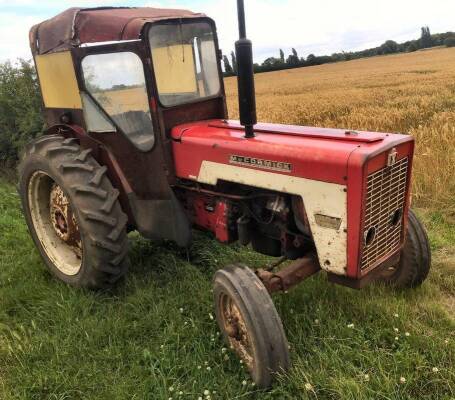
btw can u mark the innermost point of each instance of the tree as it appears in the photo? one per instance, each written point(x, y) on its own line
point(450, 41)
point(412, 47)
point(311, 59)
point(293, 59)
point(234, 62)
point(389, 47)
point(425, 38)
point(282, 56)
point(272, 62)
point(20, 109)
point(227, 65)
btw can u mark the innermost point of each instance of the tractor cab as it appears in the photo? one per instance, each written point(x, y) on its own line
point(125, 77)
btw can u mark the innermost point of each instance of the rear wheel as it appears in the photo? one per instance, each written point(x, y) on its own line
point(73, 213)
point(250, 323)
point(415, 260)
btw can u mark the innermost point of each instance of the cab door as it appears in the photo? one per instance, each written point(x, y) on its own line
point(116, 92)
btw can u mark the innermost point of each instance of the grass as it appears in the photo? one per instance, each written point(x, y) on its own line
point(155, 331)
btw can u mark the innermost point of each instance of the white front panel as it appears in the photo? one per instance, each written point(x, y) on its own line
point(328, 199)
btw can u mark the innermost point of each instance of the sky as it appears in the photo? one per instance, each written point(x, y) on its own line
point(321, 27)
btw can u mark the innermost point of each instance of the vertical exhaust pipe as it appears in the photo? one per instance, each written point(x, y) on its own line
point(245, 76)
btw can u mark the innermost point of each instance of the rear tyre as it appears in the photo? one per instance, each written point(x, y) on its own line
point(250, 323)
point(415, 260)
point(72, 212)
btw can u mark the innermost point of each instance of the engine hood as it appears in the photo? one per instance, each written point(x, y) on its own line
point(313, 153)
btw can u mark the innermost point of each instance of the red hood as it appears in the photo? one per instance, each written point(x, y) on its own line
point(313, 153)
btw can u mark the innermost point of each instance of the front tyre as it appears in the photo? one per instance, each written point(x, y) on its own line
point(415, 258)
point(250, 323)
point(72, 213)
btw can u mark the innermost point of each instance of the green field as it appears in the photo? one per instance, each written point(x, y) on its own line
point(155, 332)
point(154, 336)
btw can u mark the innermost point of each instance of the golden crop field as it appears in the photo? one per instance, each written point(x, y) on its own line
point(410, 93)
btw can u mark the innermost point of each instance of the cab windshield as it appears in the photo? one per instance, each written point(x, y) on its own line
point(185, 62)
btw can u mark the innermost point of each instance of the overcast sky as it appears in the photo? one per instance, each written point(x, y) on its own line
point(320, 27)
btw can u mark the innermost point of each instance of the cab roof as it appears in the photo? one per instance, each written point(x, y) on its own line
point(76, 26)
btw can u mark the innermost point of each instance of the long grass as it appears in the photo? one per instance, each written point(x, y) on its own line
point(154, 337)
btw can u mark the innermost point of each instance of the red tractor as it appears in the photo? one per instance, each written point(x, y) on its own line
point(138, 138)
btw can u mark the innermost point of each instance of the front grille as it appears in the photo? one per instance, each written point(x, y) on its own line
point(385, 198)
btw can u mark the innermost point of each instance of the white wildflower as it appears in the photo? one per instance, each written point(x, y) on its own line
point(396, 315)
point(211, 316)
point(223, 350)
point(396, 329)
point(350, 326)
point(206, 392)
point(181, 310)
point(366, 377)
point(244, 383)
point(209, 368)
point(180, 393)
point(435, 369)
point(171, 389)
point(316, 321)
point(308, 386)
point(396, 337)
point(199, 366)
point(407, 334)
point(402, 379)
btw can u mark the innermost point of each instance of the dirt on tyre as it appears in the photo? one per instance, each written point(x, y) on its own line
point(73, 213)
point(250, 323)
point(415, 258)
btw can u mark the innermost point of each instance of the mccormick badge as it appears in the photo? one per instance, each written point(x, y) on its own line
point(259, 163)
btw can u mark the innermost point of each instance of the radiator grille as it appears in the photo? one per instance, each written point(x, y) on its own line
point(386, 194)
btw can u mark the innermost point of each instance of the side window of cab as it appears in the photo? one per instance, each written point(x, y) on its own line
point(117, 97)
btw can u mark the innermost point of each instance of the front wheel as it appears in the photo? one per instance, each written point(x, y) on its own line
point(250, 323)
point(415, 258)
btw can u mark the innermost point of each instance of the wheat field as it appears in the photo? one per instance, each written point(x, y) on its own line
point(406, 93)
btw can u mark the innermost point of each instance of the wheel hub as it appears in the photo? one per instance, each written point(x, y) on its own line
point(235, 327)
point(63, 220)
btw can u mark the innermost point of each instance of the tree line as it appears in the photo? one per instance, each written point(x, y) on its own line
point(293, 60)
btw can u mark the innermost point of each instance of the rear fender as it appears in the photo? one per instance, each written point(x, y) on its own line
point(154, 218)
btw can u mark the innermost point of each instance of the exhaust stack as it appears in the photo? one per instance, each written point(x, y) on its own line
point(245, 76)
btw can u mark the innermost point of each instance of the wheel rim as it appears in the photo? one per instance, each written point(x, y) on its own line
point(236, 330)
point(55, 223)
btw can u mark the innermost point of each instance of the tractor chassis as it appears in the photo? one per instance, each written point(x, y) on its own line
point(289, 276)
point(302, 268)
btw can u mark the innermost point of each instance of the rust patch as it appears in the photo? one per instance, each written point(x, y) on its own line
point(290, 276)
point(237, 332)
point(63, 219)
